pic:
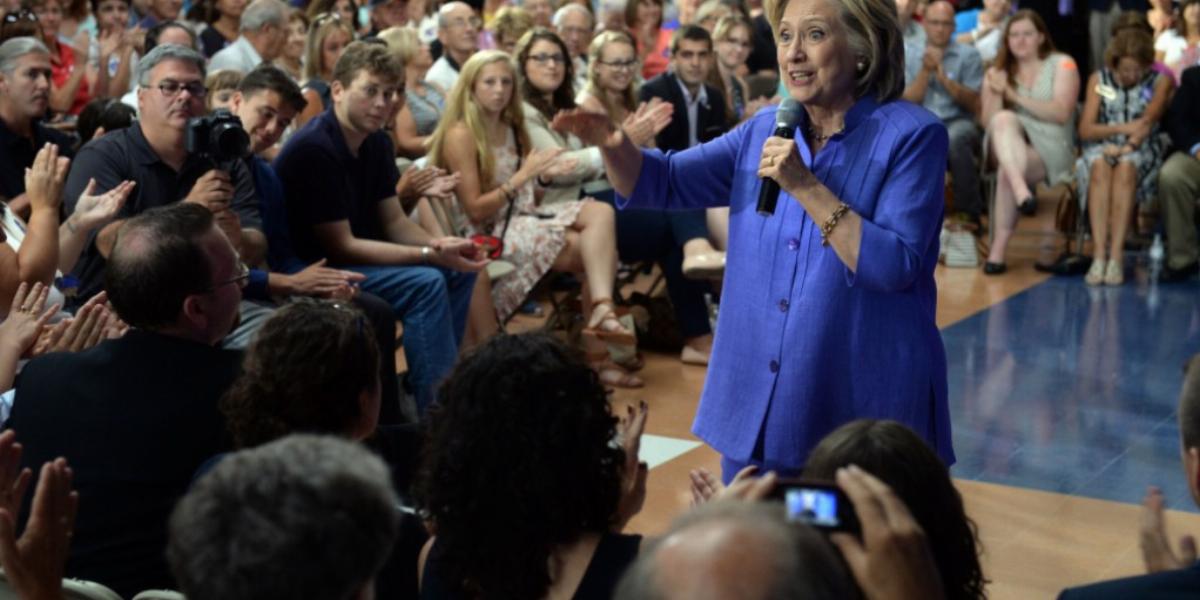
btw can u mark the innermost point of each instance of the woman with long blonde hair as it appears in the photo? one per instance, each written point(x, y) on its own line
point(612, 76)
point(482, 137)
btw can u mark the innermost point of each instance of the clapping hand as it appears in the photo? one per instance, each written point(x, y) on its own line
point(26, 318)
point(93, 211)
point(415, 180)
point(645, 123)
point(92, 324)
point(536, 163)
point(45, 178)
point(892, 561)
point(1156, 546)
point(630, 428)
point(82, 44)
point(996, 80)
point(593, 129)
point(458, 254)
point(442, 186)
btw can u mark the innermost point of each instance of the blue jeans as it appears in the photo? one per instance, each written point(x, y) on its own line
point(432, 304)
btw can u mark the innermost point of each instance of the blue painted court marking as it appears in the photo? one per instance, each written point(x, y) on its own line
point(1072, 389)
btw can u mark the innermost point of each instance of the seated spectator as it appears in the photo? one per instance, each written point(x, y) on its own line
point(25, 73)
point(1132, 20)
point(1179, 181)
point(42, 249)
point(223, 20)
point(291, 59)
point(102, 116)
point(710, 12)
point(1179, 48)
point(327, 38)
point(644, 19)
point(112, 50)
point(221, 85)
point(574, 24)
point(458, 31)
point(499, 168)
point(945, 78)
point(1170, 574)
point(342, 187)
point(70, 88)
point(542, 12)
point(347, 10)
point(167, 32)
point(1123, 147)
point(135, 441)
point(263, 33)
point(510, 23)
point(612, 76)
point(153, 153)
point(744, 550)
point(578, 485)
point(732, 38)
point(302, 517)
point(989, 24)
point(387, 13)
point(266, 102)
point(424, 100)
point(1028, 109)
point(159, 11)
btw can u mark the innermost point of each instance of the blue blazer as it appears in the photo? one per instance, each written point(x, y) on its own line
point(803, 344)
point(1168, 585)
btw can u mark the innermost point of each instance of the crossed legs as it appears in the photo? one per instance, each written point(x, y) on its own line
point(1018, 164)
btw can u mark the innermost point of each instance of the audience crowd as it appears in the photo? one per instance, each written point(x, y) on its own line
point(222, 220)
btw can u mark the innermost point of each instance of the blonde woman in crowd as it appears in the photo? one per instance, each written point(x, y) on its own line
point(292, 58)
point(482, 137)
point(510, 23)
point(424, 100)
point(612, 75)
point(328, 36)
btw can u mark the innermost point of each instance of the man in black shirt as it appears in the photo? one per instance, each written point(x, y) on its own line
point(24, 96)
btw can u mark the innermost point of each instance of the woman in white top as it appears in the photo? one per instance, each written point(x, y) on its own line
point(41, 249)
point(1179, 48)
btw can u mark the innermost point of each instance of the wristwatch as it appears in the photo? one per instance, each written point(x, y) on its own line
point(426, 254)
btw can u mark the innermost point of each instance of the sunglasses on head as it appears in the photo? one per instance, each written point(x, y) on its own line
point(23, 14)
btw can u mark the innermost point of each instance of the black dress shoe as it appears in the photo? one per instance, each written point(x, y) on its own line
point(1028, 206)
point(991, 268)
point(1170, 275)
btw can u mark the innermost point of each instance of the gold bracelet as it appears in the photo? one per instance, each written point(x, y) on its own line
point(832, 222)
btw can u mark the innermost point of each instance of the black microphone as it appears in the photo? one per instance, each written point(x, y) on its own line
point(786, 119)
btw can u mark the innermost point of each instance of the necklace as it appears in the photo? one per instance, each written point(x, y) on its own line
point(819, 137)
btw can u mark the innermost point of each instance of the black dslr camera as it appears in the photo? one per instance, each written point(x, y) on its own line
point(218, 136)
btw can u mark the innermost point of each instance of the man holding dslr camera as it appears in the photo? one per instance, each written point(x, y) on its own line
point(155, 153)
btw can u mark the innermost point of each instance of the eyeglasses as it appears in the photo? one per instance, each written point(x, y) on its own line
point(242, 278)
point(542, 59)
point(170, 88)
point(23, 14)
point(620, 65)
point(473, 22)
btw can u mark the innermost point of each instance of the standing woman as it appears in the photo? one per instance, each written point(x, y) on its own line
point(644, 19)
point(1028, 109)
point(827, 312)
point(424, 100)
point(482, 137)
point(327, 38)
point(1123, 148)
point(224, 25)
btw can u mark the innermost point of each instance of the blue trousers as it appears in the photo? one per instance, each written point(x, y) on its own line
point(432, 304)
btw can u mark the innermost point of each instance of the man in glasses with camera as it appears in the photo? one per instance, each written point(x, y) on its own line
point(155, 152)
point(24, 96)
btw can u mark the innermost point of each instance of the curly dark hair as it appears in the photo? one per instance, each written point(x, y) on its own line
point(563, 97)
point(305, 371)
point(518, 460)
point(901, 459)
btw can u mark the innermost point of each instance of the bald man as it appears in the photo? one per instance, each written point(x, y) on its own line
point(458, 31)
point(945, 78)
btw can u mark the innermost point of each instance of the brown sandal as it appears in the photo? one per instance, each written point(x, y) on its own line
point(608, 327)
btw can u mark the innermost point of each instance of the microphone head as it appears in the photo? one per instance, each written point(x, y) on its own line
point(788, 113)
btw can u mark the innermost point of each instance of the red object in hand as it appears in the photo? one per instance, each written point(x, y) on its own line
point(491, 245)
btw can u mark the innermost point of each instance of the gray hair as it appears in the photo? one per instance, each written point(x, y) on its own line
point(445, 9)
point(305, 516)
point(261, 13)
point(17, 47)
point(567, 9)
point(803, 564)
point(168, 52)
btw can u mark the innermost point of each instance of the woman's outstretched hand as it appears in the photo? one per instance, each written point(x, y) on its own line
point(594, 129)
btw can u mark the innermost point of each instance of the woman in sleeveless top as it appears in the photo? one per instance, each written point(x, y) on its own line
point(328, 36)
point(527, 478)
point(424, 100)
point(1028, 108)
point(1123, 146)
point(483, 139)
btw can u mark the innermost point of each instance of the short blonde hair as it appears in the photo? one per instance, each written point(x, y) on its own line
point(873, 29)
point(405, 42)
point(510, 23)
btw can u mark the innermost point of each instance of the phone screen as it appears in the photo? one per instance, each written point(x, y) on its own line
point(814, 506)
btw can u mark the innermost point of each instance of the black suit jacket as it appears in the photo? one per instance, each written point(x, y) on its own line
point(134, 417)
point(1183, 116)
point(1169, 585)
point(710, 114)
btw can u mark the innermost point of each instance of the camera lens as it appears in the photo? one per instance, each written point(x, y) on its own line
point(229, 139)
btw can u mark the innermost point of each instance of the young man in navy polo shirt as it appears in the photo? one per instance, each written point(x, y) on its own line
point(339, 177)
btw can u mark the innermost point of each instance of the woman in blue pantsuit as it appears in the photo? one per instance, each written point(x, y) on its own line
point(827, 313)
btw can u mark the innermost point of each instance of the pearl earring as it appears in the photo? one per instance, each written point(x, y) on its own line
point(862, 66)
